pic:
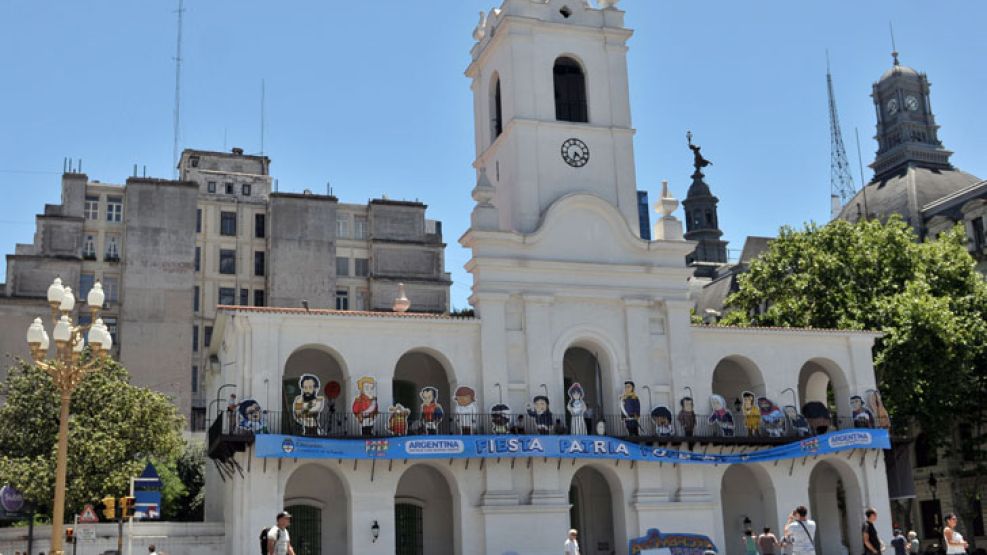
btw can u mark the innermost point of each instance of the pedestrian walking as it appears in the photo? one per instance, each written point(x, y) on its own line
point(153, 549)
point(571, 546)
point(914, 546)
point(278, 541)
point(899, 543)
point(955, 544)
point(767, 543)
point(801, 532)
point(750, 544)
point(872, 543)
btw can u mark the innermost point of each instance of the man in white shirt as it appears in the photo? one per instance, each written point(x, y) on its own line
point(571, 545)
point(801, 532)
point(278, 542)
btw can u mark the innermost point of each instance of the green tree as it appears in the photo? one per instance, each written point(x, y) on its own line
point(115, 428)
point(925, 297)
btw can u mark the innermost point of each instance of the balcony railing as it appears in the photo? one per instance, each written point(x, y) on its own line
point(706, 429)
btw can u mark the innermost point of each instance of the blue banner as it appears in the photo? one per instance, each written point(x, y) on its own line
point(554, 447)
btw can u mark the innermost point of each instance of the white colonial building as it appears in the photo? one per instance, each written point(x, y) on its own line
point(565, 291)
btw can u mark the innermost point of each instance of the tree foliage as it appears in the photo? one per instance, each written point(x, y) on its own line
point(114, 429)
point(926, 297)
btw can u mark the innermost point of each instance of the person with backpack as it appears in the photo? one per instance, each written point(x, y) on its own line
point(801, 532)
point(275, 540)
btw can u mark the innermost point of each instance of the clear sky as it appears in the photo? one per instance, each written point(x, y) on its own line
point(370, 96)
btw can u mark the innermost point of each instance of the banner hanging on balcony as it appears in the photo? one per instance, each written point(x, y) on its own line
point(551, 446)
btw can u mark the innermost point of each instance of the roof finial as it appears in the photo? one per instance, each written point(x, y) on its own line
point(894, 50)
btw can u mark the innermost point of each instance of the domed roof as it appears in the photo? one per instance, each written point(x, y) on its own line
point(905, 192)
point(898, 69)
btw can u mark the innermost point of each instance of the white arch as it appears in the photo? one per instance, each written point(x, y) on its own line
point(746, 491)
point(823, 502)
point(335, 526)
point(455, 492)
point(819, 373)
point(322, 348)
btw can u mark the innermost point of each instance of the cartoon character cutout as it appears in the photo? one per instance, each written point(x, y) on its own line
point(876, 406)
point(431, 410)
point(500, 419)
point(772, 417)
point(577, 409)
point(466, 413)
point(661, 416)
point(817, 415)
point(252, 417)
point(365, 407)
point(309, 403)
point(687, 416)
point(397, 419)
point(798, 424)
point(721, 417)
point(630, 409)
point(862, 416)
point(542, 414)
point(752, 414)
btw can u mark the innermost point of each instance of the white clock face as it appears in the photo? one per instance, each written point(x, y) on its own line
point(911, 103)
point(893, 106)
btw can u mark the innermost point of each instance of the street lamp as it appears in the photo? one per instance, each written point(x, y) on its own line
point(67, 370)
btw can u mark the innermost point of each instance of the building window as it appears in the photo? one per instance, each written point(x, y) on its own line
point(111, 326)
point(195, 299)
point(259, 263)
point(227, 261)
point(925, 454)
point(245, 189)
point(211, 187)
point(227, 223)
point(227, 296)
point(198, 220)
point(409, 528)
point(244, 297)
point(258, 297)
point(194, 160)
point(114, 209)
point(207, 336)
point(360, 227)
point(570, 91)
point(259, 226)
point(111, 288)
point(229, 189)
point(195, 379)
point(198, 258)
point(361, 302)
point(361, 267)
point(342, 266)
point(112, 248)
point(343, 226)
point(342, 299)
point(89, 247)
point(195, 338)
point(91, 209)
point(497, 116)
point(86, 282)
point(977, 227)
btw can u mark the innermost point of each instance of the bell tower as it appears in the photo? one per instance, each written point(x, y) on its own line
point(552, 111)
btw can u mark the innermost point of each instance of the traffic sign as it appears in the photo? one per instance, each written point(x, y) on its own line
point(88, 515)
point(86, 533)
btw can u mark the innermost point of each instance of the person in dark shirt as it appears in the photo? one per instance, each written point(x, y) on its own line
point(872, 543)
point(899, 543)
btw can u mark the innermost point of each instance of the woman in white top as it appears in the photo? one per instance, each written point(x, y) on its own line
point(955, 543)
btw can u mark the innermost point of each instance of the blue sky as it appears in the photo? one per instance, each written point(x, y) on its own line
point(371, 97)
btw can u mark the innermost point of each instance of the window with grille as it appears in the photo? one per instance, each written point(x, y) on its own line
point(570, 91)
point(409, 529)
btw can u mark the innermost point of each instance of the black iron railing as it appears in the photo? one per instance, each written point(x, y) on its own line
point(701, 428)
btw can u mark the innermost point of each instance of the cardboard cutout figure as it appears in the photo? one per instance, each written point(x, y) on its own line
point(431, 410)
point(630, 409)
point(397, 419)
point(772, 417)
point(862, 417)
point(817, 415)
point(252, 417)
point(662, 418)
point(721, 417)
point(466, 413)
point(876, 406)
point(752, 414)
point(541, 414)
point(500, 419)
point(796, 421)
point(577, 408)
point(365, 405)
point(309, 403)
point(687, 416)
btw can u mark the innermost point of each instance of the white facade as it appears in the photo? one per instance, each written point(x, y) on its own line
point(564, 289)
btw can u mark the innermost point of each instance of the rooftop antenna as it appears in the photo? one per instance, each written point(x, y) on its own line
point(841, 184)
point(894, 50)
point(262, 116)
point(178, 89)
point(860, 159)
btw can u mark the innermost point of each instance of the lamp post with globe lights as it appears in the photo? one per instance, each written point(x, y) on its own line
point(67, 369)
